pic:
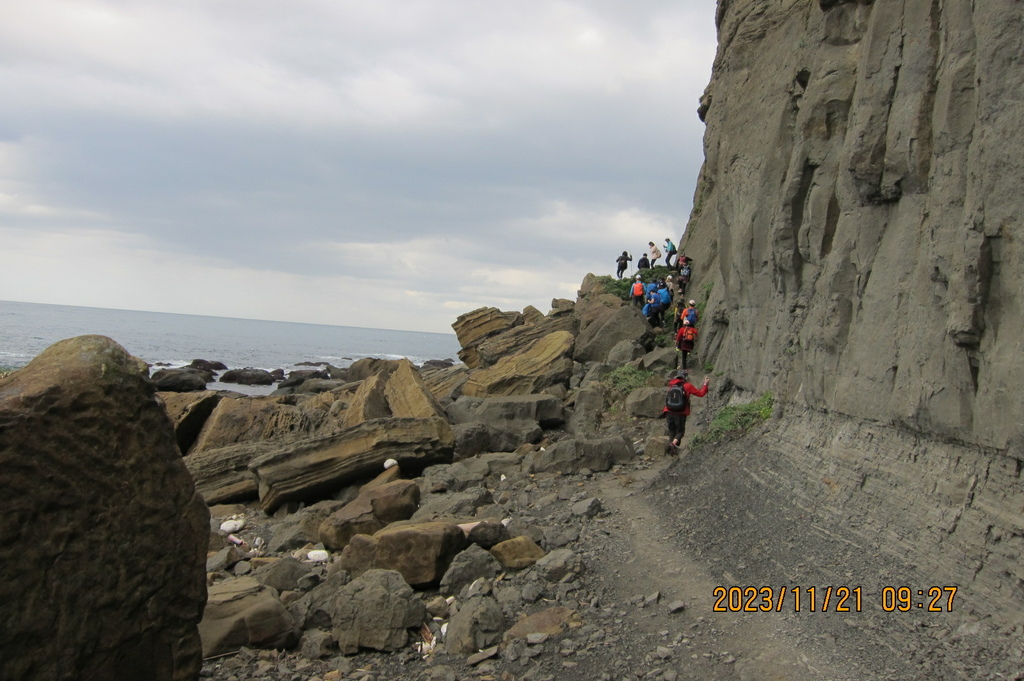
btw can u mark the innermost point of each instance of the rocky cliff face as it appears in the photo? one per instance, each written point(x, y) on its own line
point(855, 226)
point(857, 211)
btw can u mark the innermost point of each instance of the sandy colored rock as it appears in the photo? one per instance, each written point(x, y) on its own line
point(408, 396)
point(242, 612)
point(543, 363)
point(188, 412)
point(307, 468)
point(552, 621)
point(517, 553)
point(254, 419)
point(371, 511)
point(92, 478)
point(421, 552)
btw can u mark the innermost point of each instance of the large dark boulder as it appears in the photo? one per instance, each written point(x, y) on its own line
point(181, 380)
point(102, 537)
point(247, 376)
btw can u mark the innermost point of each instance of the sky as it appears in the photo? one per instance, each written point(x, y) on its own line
point(388, 164)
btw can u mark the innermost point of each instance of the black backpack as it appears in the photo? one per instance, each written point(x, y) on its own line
point(676, 399)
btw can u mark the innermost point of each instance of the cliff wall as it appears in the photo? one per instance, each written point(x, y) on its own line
point(857, 211)
point(856, 226)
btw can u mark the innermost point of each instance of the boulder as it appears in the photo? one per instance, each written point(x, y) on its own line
point(543, 363)
point(624, 352)
point(255, 419)
point(546, 410)
point(507, 436)
point(556, 565)
point(222, 475)
point(571, 456)
point(188, 412)
point(241, 613)
point(181, 380)
point(478, 624)
point(247, 376)
point(488, 534)
point(517, 553)
point(462, 504)
point(362, 369)
point(372, 510)
point(473, 327)
point(470, 565)
point(421, 552)
point(282, 574)
point(509, 342)
point(207, 365)
point(603, 324)
point(368, 403)
point(313, 610)
point(646, 402)
point(661, 360)
point(591, 405)
point(307, 468)
point(103, 542)
point(445, 384)
point(551, 622)
point(408, 395)
point(375, 611)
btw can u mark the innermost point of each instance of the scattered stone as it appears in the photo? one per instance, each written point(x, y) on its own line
point(478, 624)
point(518, 553)
point(485, 654)
point(375, 611)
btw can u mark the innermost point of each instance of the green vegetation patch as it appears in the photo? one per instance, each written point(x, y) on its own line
point(736, 418)
point(626, 379)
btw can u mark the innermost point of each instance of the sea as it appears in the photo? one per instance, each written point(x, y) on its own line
point(174, 340)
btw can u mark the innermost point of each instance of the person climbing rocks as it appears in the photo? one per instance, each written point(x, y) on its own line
point(643, 263)
point(670, 250)
point(636, 292)
point(685, 339)
point(690, 313)
point(677, 406)
point(622, 261)
point(652, 306)
point(655, 253)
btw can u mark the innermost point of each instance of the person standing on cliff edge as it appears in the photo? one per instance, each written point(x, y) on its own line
point(655, 253)
point(677, 406)
point(621, 262)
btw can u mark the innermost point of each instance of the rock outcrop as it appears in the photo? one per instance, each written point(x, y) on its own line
point(855, 234)
point(103, 538)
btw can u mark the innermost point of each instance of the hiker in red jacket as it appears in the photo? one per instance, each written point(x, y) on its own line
point(677, 406)
point(685, 339)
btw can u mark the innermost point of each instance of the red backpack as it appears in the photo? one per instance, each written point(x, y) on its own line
point(638, 288)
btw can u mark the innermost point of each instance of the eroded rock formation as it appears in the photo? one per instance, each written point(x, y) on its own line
point(855, 230)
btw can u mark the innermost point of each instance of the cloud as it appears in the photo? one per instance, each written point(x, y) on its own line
point(264, 160)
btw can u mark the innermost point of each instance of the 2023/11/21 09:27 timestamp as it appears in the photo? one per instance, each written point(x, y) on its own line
point(829, 599)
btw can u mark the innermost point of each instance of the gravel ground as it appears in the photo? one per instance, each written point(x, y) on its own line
point(670, 531)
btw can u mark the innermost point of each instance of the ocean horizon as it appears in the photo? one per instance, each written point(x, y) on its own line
point(174, 339)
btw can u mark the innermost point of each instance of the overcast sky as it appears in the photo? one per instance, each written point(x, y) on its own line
point(388, 164)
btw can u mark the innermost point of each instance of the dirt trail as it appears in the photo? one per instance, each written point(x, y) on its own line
point(648, 559)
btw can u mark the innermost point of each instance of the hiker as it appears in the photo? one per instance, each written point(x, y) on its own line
point(637, 292)
point(652, 307)
point(690, 313)
point(670, 250)
point(643, 263)
point(685, 339)
point(677, 406)
point(655, 253)
point(621, 261)
point(664, 301)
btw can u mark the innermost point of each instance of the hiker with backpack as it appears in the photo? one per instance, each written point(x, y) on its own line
point(690, 314)
point(685, 339)
point(677, 406)
point(643, 263)
point(621, 262)
point(670, 250)
point(655, 253)
point(636, 293)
